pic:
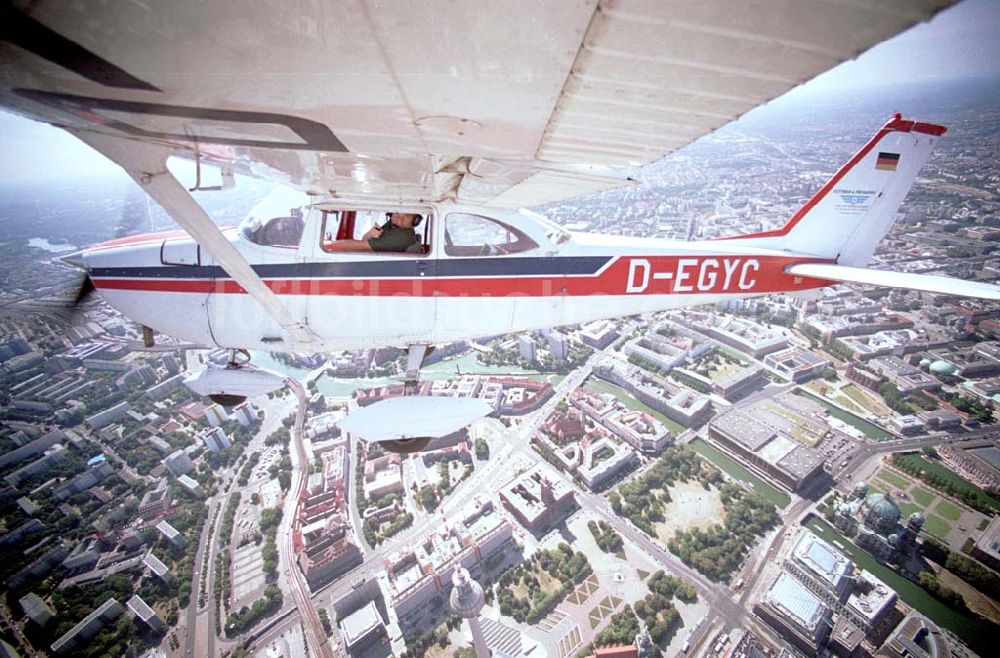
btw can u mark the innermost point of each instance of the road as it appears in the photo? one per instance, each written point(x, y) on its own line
point(315, 635)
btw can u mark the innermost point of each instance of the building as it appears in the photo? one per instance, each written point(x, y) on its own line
point(36, 609)
point(31, 448)
point(863, 376)
point(245, 414)
point(827, 572)
point(362, 628)
point(171, 534)
point(757, 444)
point(680, 404)
point(796, 364)
point(474, 538)
point(602, 461)
point(598, 334)
point(872, 521)
point(383, 475)
point(84, 555)
point(156, 502)
point(526, 347)
point(215, 415)
point(799, 615)
point(38, 568)
point(537, 500)
point(190, 485)
point(178, 463)
point(104, 418)
point(88, 627)
point(157, 568)
point(907, 378)
point(987, 546)
point(93, 475)
point(141, 610)
point(50, 458)
point(745, 335)
point(558, 343)
point(328, 550)
point(918, 637)
point(215, 439)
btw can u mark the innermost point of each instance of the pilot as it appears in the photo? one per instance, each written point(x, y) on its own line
point(397, 234)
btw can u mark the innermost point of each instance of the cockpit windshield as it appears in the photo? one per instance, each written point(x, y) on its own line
point(278, 220)
point(555, 233)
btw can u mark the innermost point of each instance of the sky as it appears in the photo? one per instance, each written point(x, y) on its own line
point(959, 42)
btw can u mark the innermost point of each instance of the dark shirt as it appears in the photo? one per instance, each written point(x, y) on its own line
point(393, 238)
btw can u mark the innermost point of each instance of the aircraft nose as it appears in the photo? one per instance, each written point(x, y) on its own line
point(75, 259)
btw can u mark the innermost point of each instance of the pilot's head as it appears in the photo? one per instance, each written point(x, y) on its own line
point(405, 219)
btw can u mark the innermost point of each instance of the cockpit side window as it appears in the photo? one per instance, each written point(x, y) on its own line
point(285, 232)
point(475, 235)
point(350, 230)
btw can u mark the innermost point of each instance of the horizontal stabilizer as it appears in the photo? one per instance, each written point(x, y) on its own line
point(414, 416)
point(926, 282)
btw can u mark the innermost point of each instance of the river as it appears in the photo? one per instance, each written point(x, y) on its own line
point(977, 632)
point(467, 364)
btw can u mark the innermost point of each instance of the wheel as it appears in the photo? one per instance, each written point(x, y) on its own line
point(406, 446)
point(227, 400)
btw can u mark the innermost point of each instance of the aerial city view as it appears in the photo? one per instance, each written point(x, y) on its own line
point(788, 475)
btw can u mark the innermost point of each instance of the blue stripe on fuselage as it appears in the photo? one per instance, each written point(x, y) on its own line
point(397, 267)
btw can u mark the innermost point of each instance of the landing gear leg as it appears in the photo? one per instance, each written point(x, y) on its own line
point(237, 359)
point(414, 359)
point(415, 356)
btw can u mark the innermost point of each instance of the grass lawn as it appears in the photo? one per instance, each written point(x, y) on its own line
point(872, 431)
point(936, 525)
point(905, 509)
point(893, 479)
point(948, 510)
point(954, 478)
point(865, 400)
point(626, 398)
point(735, 470)
point(922, 497)
point(846, 402)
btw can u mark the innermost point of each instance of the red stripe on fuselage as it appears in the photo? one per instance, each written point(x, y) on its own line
point(628, 275)
point(145, 238)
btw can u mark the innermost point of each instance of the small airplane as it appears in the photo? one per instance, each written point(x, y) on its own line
point(461, 123)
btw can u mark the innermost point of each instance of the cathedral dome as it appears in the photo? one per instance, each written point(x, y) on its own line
point(861, 489)
point(881, 513)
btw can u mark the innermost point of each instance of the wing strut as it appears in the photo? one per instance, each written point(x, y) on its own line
point(147, 164)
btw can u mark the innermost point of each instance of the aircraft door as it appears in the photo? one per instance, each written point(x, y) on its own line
point(371, 298)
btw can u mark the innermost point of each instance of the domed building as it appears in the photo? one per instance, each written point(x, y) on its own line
point(872, 520)
point(943, 368)
point(880, 513)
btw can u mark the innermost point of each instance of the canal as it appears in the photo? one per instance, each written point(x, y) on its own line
point(977, 632)
point(467, 364)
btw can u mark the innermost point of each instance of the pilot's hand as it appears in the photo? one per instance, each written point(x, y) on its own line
point(373, 232)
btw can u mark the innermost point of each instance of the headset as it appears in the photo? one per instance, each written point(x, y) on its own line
point(388, 221)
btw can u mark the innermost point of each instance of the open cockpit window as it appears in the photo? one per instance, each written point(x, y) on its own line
point(277, 221)
point(376, 231)
point(475, 235)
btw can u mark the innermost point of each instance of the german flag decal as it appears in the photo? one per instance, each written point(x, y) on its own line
point(887, 161)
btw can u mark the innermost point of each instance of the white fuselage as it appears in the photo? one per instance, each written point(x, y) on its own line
point(355, 300)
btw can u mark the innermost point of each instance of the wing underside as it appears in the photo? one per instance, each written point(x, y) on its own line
point(508, 103)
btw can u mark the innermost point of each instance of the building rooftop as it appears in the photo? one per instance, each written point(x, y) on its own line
point(795, 601)
point(822, 560)
point(360, 623)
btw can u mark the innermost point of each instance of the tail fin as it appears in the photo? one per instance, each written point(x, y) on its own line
point(854, 210)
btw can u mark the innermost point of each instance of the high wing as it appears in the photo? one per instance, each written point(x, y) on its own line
point(508, 103)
